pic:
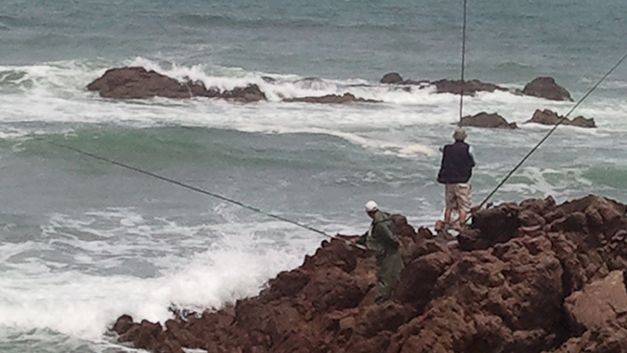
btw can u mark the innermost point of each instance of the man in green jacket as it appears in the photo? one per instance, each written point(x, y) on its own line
point(382, 240)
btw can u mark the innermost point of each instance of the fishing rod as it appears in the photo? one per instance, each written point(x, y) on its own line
point(463, 65)
point(562, 119)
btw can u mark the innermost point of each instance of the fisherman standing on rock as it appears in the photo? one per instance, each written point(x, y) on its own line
point(382, 240)
point(455, 173)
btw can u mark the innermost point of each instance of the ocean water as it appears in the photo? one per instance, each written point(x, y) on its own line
point(82, 242)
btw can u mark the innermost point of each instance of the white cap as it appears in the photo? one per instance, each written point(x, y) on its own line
point(371, 206)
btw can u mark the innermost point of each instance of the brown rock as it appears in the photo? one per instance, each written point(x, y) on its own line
point(334, 253)
point(391, 78)
point(612, 209)
point(376, 318)
point(375, 344)
point(425, 233)
point(491, 226)
point(138, 83)
point(334, 289)
point(144, 335)
point(575, 221)
point(288, 283)
point(546, 87)
point(598, 303)
point(419, 277)
point(539, 206)
point(402, 228)
point(531, 219)
point(170, 346)
point(123, 324)
point(484, 119)
point(469, 87)
point(250, 93)
point(609, 339)
point(548, 117)
point(332, 99)
point(582, 122)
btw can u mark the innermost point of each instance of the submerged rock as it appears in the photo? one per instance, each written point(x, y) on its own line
point(486, 120)
point(548, 117)
point(332, 99)
point(543, 87)
point(138, 83)
point(546, 87)
point(391, 78)
point(469, 87)
point(523, 280)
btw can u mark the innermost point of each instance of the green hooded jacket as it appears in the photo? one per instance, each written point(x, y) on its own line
point(381, 237)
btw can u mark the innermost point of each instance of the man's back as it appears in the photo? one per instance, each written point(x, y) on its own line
point(382, 237)
point(457, 164)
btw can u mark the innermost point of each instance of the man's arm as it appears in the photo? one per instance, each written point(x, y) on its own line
point(362, 239)
point(472, 158)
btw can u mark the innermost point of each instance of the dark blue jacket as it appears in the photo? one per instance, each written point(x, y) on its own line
point(457, 163)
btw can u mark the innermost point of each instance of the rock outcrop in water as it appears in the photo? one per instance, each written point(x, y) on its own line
point(546, 87)
point(548, 117)
point(138, 83)
point(391, 78)
point(520, 280)
point(332, 99)
point(470, 87)
point(543, 87)
point(486, 120)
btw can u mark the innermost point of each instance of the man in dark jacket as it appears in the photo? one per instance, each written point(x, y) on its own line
point(455, 172)
point(382, 240)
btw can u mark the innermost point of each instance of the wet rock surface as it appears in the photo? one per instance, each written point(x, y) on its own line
point(546, 87)
point(549, 117)
point(139, 83)
point(483, 119)
point(391, 78)
point(519, 282)
point(332, 99)
point(542, 87)
point(469, 87)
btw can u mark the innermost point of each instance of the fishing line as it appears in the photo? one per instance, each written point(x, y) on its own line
point(592, 89)
point(195, 189)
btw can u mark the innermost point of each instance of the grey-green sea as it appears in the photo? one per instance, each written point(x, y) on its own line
point(82, 241)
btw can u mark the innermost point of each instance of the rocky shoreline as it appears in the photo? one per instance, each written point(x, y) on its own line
point(532, 277)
